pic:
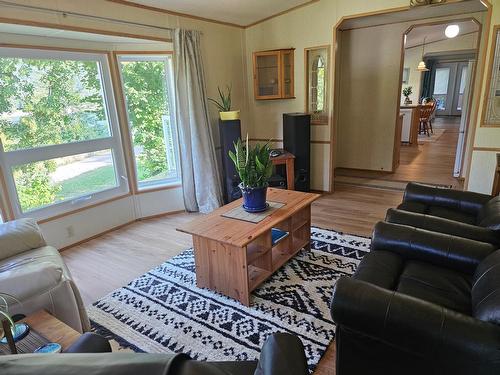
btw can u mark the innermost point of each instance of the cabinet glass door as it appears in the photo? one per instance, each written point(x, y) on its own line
point(287, 74)
point(267, 75)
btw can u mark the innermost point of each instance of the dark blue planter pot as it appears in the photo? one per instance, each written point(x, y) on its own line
point(254, 199)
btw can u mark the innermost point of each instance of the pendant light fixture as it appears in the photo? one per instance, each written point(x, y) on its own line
point(452, 31)
point(421, 65)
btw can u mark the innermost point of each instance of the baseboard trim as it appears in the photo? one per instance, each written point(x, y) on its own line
point(100, 234)
point(96, 236)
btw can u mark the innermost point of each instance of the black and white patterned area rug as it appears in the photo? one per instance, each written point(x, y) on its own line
point(164, 311)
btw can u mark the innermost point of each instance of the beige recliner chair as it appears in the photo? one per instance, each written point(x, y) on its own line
point(36, 275)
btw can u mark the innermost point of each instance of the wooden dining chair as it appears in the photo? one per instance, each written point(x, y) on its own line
point(426, 112)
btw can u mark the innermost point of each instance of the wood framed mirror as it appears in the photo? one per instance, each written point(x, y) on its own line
point(316, 65)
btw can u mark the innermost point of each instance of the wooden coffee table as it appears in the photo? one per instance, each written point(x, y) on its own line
point(233, 256)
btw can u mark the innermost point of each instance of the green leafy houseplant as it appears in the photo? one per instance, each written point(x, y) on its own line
point(254, 167)
point(407, 91)
point(224, 103)
point(252, 164)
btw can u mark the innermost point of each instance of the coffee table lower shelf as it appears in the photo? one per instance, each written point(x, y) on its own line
point(237, 271)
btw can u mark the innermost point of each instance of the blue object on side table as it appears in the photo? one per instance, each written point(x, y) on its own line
point(20, 331)
point(49, 348)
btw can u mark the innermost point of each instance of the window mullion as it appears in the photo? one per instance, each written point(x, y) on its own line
point(21, 157)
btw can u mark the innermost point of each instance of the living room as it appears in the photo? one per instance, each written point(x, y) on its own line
point(121, 231)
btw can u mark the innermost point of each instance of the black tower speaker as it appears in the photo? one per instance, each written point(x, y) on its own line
point(297, 140)
point(229, 132)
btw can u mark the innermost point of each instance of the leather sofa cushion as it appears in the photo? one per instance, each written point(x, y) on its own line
point(381, 268)
point(444, 212)
point(451, 214)
point(489, 214)
point(417, 207)
point(32, 272)
point(18, 236)
point(30, 279)
point(438, 285)
point(486, 289)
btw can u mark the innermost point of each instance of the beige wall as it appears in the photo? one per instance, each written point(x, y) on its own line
point(414, 55)
point(487, 139)
point(370, 62)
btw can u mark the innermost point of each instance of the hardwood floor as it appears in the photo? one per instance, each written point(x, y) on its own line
point(108, 262)
point(431, 162)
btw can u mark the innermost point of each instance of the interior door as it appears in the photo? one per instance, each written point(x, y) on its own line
point(444, 87)
point(458, 93)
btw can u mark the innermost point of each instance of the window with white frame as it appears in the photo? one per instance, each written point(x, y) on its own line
point(60, 141)
point(147, 83)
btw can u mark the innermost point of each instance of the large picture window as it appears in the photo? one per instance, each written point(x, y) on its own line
point(60, 138)
point(147, 87)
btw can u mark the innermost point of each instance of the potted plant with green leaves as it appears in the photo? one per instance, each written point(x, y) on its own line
point(407, 91)
point(254, 167)
point(224, 105)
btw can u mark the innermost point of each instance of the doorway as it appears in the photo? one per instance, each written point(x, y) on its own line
point(441, 72)
point(361, 149)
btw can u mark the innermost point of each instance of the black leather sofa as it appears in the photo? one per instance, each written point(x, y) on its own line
point(459, 213)
point(282, 354)
point(420, 303)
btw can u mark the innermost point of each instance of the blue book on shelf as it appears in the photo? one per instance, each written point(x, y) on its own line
point(278, 235)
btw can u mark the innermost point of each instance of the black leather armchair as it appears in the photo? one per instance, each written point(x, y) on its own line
point(442, 225)
point(420, 303)
point(282, 354)
point(462, 206)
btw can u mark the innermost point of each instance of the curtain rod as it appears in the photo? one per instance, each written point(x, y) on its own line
point(82, 15)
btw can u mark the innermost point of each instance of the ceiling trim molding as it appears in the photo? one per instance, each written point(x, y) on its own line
point(174, 13)
point(310, 2)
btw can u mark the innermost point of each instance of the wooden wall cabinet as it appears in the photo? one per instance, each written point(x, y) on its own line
point(273, 74)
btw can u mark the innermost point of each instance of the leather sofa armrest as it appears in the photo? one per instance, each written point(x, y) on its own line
point(414, 325)
point(282, 354)
point(464, 201)
point(90, 343)
point(442, 225)
point(18, 236)
point(440, 249)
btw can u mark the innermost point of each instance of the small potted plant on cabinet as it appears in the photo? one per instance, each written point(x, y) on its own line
point(224, 105)
point(254, 168)
point(407, 91)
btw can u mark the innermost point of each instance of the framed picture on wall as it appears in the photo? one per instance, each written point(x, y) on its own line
point(316, 65)
point(491, 115)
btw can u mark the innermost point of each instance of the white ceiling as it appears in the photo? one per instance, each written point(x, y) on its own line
point(239, 12)
point(435, 33)
point(7, 28)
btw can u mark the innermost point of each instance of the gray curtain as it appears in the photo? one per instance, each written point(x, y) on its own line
point(200, 176)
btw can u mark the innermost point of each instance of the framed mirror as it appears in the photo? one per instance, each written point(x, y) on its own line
point(316, 64)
